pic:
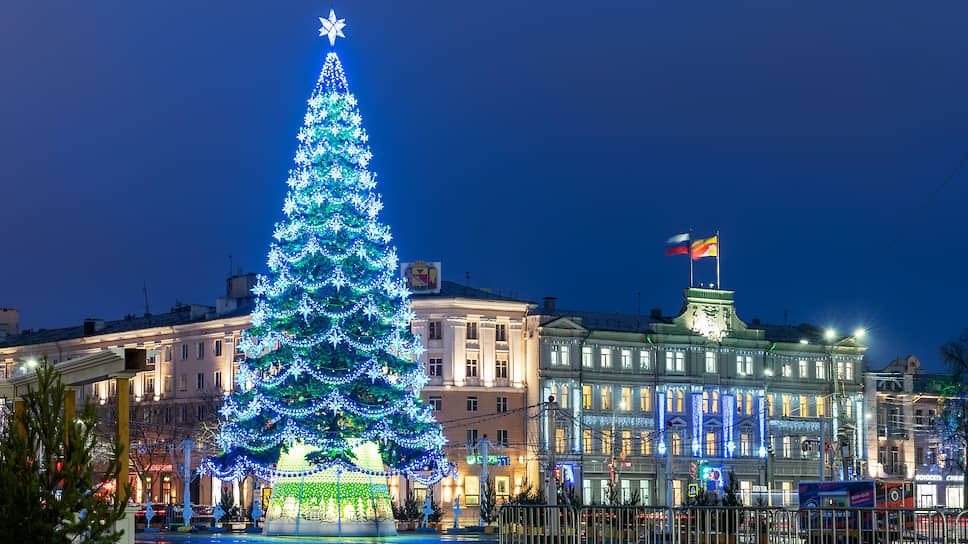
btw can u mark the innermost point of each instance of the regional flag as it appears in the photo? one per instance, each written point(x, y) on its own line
point(708, 247)
point(678, 244)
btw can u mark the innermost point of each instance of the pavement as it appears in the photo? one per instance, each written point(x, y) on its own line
point(241, 538)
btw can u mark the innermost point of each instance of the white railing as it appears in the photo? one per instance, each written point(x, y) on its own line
point(533, 524)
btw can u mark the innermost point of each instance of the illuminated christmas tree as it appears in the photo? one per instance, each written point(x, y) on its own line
point(329, 405)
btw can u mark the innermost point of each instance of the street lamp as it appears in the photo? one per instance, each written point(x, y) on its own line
point(831, 334)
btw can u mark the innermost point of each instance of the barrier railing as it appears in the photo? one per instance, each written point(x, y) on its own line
point(533, 524)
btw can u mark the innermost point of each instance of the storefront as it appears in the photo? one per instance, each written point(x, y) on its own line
point(939, 490)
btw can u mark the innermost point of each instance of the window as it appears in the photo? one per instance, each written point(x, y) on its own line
point(645, 399)
point(200, 381)
point(564, 360)
point(168, 387)
point(746, 492)
point(705, 402)
point(472, 436)
point(556, 356)
point(711, 362)
point(184, 414)
point(436, 404)
point(821, 406)
point(744, 444)
point(502, 438)
point(675, 361)
point(471, 369)
point(168, 353)
point(626, 398)
point(168, 414)
point(472, 490)
point(502, 404)
point(626, 359)
point(787, 370)
point(786, 406)
point(804, 406)
point(820, 370)
point(184, 382)
point(645, 361)
point(676, 444)
point(744, 365)
point(563, 397)
point(218, 348)
point(586, 357)
point(200, 412)
point(645, 496)
point(586, 440)
point(149, 384)
point(739, 403)
point(677, 492)
point(586, 397)
point(680, 401)
point(787, 489)
point(803, 371)
point(201, 350)
point(435, 367)
point(218, 378)
point(646, 445)
point(787, 449)
point(472, 330)
point(710, 444)
point(604, 491)
point(749, 404)
point(715, 402)
point(606, 397)
point(586, 487)
point(471, 404)
point(848, 371)
point(501, 369)
point(501, 332)
point(184, 352)
point(919, 417)
point(434, 332)
point(626, 491)
point(606, 441)
point(606, 357)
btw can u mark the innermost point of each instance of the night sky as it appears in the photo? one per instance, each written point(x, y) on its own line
point(548, 148)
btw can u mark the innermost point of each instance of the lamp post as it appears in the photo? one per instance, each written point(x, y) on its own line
point(838, 394)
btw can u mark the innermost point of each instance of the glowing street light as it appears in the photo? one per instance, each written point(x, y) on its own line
point(859, 333)
point(830, 334)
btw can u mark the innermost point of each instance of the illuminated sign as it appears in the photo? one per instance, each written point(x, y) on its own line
point(499, 460)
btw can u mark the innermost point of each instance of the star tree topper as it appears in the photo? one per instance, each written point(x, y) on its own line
point(332, 27)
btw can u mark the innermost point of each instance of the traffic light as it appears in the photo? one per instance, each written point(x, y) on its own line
point(692, 470)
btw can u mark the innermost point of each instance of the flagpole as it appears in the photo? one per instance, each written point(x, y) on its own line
point(719, 248)
point(689, 243)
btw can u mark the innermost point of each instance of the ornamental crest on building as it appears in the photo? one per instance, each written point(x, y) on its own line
point(713, 321)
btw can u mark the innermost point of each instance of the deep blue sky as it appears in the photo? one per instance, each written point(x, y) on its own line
point(549, 148)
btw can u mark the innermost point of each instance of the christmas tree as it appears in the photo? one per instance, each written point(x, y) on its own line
point(328, 403)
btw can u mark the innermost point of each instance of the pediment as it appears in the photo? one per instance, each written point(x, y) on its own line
point(563, 323)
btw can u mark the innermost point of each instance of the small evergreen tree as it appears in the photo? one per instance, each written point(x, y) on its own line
point(489, 502)
point(48, 489)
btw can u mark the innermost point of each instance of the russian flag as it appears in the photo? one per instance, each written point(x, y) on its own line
point(678, 244)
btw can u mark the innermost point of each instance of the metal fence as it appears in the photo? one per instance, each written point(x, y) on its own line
point(533, 524)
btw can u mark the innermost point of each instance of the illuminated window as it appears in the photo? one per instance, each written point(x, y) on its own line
point(560, 440)
point(786, 406)
point(626, 359)
point(680, 401)
point(606, 441)
point(646, 445)
point(804, 406)
point(821, 406)
point(744, 365)
point(749, 404)
point(645, 361)
point(705, 402)
point(606, 357)
point(711, 444)
point(711, 362)
point(556, 355)
point(676, 444)
point(645, 399)
point(739, 403)
point(787, 449)
point(564, 361)
point(586, 397)
point(626, 442)
point(606, 397)
point(803, 371)
point(820, 370)
point(787, 370)
point(563, 398)
point(626, 398)
point(744, 444)
point(715, 402)
point(586, 441)
point(675, 361)
point(586, 357)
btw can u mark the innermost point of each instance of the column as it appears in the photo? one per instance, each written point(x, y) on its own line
point(455, 342)
point(486, 353)
point(516, 356)
point(122, 433)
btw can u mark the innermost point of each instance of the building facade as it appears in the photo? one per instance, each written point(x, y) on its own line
point(907, 441)
point(704, 387)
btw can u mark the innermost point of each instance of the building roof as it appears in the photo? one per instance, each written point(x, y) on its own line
point(450, 289)
point(178, 316)
point(608, 321)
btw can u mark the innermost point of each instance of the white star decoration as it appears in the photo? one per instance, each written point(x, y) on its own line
point(332, 27)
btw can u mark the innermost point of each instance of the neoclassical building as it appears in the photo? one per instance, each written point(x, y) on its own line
point(706, 388)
